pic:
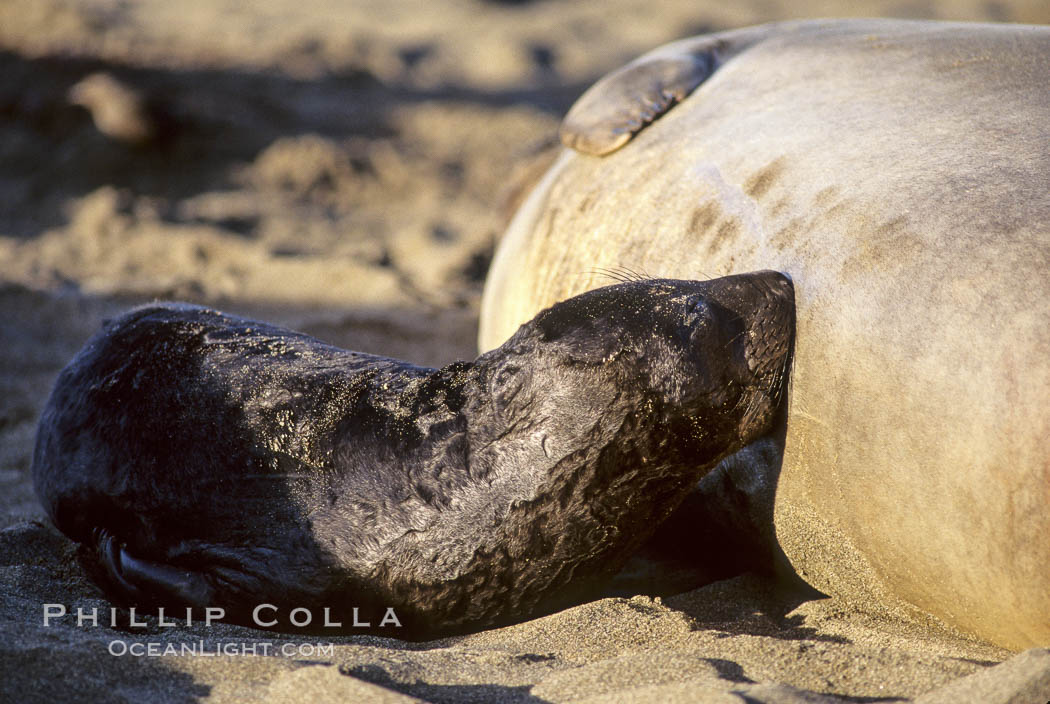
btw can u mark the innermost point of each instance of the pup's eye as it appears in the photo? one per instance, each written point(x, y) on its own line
point(505, 376)
point(697, 310)
point(507, 383)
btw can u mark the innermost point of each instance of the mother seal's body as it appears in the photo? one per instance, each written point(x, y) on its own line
point(213, 461)
point(900, 172)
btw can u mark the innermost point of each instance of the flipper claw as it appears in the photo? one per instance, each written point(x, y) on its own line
point(135, 581)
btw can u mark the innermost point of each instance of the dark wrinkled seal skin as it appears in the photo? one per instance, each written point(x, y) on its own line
point(208, 460)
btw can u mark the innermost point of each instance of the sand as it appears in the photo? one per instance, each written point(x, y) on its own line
point(346, 169)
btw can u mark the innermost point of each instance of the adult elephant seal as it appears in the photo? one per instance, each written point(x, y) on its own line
point(899, 172)
point(211, 461)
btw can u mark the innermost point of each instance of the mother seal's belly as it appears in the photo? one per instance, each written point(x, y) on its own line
point(899, 172)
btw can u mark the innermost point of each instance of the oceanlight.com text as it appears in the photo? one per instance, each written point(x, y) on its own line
point(201, 648)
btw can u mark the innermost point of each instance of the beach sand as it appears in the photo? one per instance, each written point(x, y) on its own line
point(346, 169)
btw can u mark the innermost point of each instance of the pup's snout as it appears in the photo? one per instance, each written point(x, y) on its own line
point(771, 328)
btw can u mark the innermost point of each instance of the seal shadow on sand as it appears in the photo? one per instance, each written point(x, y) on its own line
point(440, 693)
point(719, 533)
point(38, 671)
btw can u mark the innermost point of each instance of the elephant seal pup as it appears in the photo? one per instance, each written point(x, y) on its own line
point(898, 172)
point(216, 461)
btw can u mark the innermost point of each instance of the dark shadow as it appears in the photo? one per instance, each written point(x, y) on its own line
point(723, 528)
point(442, 693)
point(981, 663)
point(729, 670)
point(51, 674)
point(753, 605)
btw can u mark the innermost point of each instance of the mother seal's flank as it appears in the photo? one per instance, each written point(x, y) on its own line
point(207, 460)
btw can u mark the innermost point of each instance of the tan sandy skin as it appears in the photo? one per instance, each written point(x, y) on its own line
point(899, 172)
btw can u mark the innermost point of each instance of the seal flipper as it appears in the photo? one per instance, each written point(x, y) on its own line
point(620, 105)
point(624, 102)
point(140, 582)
